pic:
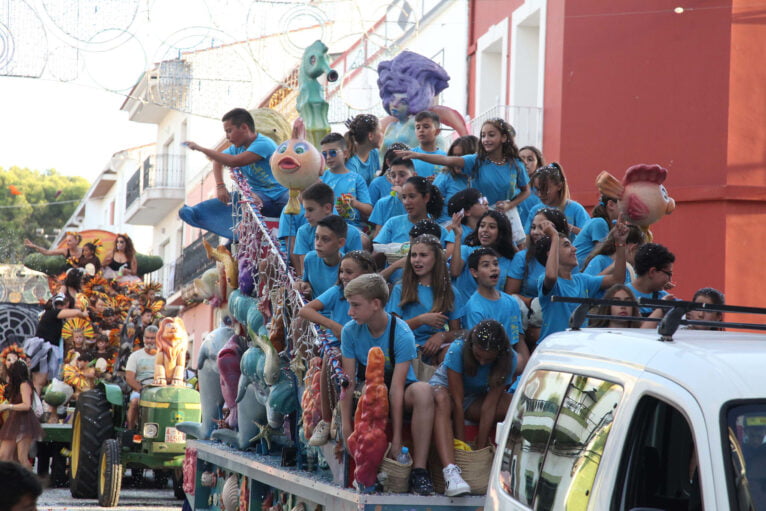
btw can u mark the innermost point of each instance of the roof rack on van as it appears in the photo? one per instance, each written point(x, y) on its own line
point(674, 317)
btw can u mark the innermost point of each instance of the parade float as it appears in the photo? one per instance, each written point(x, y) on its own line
point(259, 381)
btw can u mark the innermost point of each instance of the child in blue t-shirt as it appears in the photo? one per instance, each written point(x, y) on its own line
point(393, 272)
point(526, 271)
point(380, 186)
point(489, 303)
point(560, 259)
point(320, 267)
point(363, 139)
point(352, 199)
point(450, 181)
point(391, 205)
point(421, 200)
point(553, 190)
point(471, 205)
point(427, 129)
point(372, 326)
point(330, 311)
point(470, 385)
point(493, 231)
point(495, 170)
point(317, 203)
point(601, 258)
point(654, 273)
point(596, 228)
point(425, 298)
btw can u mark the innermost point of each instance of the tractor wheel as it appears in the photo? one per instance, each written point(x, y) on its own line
point(109, 474)
point(178, 484)
point(92, 425)
point(161, 478)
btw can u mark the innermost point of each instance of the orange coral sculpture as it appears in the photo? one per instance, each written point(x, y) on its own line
point(368, 442)
point(311, 401)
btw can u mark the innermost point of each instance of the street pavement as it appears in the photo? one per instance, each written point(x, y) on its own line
point(59, 499)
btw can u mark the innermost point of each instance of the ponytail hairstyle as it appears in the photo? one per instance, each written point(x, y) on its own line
point(363, 259)
point(488, 334)
point(608, 246)
point(441, 284)
point(390, 156)
point(559, 221)
point(552, 174)
point(468, 144)
point(510, 151)
point(423, 187)
point(600, 211)
point(504, 245)
point(359, 129)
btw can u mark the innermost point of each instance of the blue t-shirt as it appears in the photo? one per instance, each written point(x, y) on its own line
point(496, 182)
point(556, 314)
point(335, 305)
point(356, 342)
point(386, 208)
point(657, 295)
point(304, 239)
point(528, 204)
point(352, 183)
point(594, 230)
point(504, 310)
point(366, 169)
point(289, 224)
point(379, 188)
point(258, 174)
point(397, 230)
point(317, 273)
point(423, 168)
point(466, 284)
point(573, 211)
point(449, 186)
point(479, 383)
point(528, 282)
point(600, 263)
point(423, 305)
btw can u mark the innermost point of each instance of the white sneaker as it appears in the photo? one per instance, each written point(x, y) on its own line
point(321, 434)
point(454, 484)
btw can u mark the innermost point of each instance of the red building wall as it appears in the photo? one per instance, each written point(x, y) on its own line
point(632, 81)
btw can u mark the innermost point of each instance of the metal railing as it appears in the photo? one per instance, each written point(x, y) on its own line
point(193, 262)
point(526, 120)
point(158, 171)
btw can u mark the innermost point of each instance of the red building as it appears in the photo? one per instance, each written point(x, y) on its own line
point(643, 81)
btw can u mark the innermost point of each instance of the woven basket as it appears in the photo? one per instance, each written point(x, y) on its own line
point(398, 474)
point(475, 467)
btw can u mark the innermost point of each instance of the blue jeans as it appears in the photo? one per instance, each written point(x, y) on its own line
point(215, 216)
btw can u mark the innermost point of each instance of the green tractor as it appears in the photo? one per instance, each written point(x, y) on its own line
point(102, 447)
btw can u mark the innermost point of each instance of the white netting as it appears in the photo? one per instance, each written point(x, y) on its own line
point(274, 284)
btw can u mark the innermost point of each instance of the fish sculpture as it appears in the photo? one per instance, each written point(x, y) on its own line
point(296, 164)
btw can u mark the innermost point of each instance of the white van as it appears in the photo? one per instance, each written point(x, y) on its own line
point(617, 419)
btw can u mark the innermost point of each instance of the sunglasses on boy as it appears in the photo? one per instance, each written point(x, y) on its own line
point(332, 153)
point(483, 201)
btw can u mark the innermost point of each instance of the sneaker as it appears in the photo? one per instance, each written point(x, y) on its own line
point(321, 434)
point(420, 482)
point(454, 484)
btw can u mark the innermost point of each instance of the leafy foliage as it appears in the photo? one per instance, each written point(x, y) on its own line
point(46, 200)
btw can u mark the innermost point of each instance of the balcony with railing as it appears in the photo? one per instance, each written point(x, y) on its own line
point(191, 264)
point(526, 120)
point(155, 189)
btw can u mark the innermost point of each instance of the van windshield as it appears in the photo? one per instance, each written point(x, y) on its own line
point(746, 432)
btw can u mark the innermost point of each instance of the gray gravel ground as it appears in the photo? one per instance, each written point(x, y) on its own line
point(59, 499)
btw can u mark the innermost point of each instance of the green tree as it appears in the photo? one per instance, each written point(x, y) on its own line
point(44, 200)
